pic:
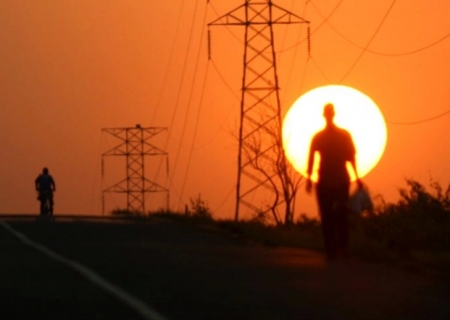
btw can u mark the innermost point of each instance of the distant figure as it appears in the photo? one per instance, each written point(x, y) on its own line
point(336, 148)
point(45, 186)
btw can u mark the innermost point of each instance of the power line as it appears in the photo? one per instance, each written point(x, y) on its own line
point(320, 70)
point(314, 30)
point(365, 49)
point(177, 99)
point(224, 119)
point(202, 94)
point(183, 130)
point(225, 199)
point(286, 30)
point(377, 52)
point(295, 54)
point(228, 29)
point(420, 121)
point(172, 51)
point(304, 75)
point(369, 42)
point(224, 81)
point(412, 51)
point(191, 150)
point(221, 126)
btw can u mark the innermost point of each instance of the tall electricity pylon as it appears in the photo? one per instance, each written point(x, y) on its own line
point(260, 144)
point(135, 146)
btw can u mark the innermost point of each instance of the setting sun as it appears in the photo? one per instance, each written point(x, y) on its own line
point(355, 112)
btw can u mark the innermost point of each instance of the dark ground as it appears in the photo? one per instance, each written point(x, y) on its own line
point(186, 271)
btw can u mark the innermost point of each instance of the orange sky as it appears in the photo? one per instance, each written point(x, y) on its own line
point(72, 67)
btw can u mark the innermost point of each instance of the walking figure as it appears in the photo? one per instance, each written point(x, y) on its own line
point(45, 186)
point(335, 147)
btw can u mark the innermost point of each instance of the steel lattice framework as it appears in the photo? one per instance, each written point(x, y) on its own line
point(260, 145)
point(135, 146)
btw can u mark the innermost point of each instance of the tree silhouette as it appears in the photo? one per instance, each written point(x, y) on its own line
point(278, 173)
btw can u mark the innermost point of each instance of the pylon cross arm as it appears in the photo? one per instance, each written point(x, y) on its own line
point(291, 17)
point(279, 16)
point(231, 18)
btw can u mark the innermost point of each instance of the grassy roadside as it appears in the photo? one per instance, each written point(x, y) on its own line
point(364, 244)
point(413, 233)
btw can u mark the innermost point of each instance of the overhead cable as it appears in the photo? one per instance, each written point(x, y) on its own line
point(420, 121)
point(202, 94)
point(310, 33)
point(377, 52)
point(172, 51)
point(364, 50)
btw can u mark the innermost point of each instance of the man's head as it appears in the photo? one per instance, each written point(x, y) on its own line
point(45, 171)
point(328, 112)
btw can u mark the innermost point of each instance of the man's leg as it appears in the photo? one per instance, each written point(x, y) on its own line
point(42, 198)
point(50, 208)
point(342, 228)
point(42, 207)
point(325, 202)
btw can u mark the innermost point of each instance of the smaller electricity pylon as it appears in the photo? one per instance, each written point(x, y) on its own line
point(135, 146)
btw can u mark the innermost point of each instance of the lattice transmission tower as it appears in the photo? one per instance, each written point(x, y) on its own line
point(135, 146)
point(260, 145)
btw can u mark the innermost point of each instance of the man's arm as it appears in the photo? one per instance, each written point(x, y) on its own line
point(353, 163)
point(312, 151)
point(53, 184)
point(358, 180)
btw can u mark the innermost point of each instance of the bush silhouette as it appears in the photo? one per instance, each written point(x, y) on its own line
point(419, 220)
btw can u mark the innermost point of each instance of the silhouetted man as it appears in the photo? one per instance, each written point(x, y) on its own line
point(45, 186)
point(335, 147)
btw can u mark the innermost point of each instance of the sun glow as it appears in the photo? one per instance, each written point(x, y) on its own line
point(355, 112)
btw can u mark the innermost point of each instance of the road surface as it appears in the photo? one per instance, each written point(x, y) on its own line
point(183, 271)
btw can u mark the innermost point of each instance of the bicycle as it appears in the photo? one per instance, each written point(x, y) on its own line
point(45, 205)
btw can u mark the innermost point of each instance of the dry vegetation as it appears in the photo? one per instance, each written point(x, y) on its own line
point(413, 232)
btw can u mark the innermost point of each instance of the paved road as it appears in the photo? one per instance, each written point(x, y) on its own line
point(188, 272)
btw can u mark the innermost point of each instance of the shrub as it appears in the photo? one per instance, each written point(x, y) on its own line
point(199, 208)
point(420, 219)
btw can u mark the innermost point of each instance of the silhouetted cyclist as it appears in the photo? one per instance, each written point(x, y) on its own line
point(45, 186)
point(335, 147)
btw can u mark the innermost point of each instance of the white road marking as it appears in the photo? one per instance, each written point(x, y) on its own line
point(136, 304)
